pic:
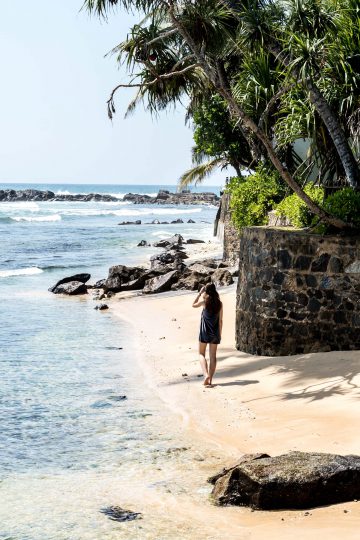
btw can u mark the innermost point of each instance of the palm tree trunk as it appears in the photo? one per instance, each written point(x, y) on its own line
point(336, 133)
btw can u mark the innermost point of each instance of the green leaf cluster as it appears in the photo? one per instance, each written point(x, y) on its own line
point(344, 204)
point(296, 210)
point(252, 197)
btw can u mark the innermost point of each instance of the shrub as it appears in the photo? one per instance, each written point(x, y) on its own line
point(252, 197)
point(344, 204)
point(296, 210)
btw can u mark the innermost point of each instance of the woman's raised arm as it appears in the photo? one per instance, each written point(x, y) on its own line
point(197, 302)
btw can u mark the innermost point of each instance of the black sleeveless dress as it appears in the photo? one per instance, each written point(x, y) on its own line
point(209, 327)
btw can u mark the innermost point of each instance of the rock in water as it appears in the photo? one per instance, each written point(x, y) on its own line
point(161, 283)
point(71, 288)
point(101, 307)
point(82, 278)
point(195, 241)
point(294, 480)
point(116, 513)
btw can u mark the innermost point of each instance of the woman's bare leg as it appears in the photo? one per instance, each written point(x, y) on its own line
point(203, 362)
point(212, 368)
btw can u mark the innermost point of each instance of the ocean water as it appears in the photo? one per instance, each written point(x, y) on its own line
point(77, 423)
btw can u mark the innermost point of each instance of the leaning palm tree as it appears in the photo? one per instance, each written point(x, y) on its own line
point(198, 36)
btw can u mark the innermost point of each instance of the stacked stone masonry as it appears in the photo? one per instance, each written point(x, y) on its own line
point(226, 231)
point(297, 293)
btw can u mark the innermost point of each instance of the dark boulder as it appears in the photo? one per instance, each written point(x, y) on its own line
point(121, 274)
point(165, 258)
point(222, 277)
point(143, 243)
point(176, 239)
point(174, 247)
point(137, 222)
point(71, 288)
point(191, 281)
point(161, 283)
point(101, 307)
point(211, 263)
point(294, 480)
point(100, 284)
point(82, 278)
point(175, 242)
point(194, 241)
point(178, 254)
point(201, 269)
point(190, 221)
point(162, 243)
point(177, 221)
point(139, 282)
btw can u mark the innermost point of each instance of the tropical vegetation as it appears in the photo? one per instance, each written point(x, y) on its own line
point(266, 73)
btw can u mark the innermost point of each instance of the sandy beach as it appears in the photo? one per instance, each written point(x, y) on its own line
point(308, 402)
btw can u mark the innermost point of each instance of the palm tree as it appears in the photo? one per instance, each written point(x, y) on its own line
point(298, 43)
point(199, 35)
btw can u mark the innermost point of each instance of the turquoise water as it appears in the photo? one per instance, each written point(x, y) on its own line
point(74, 419)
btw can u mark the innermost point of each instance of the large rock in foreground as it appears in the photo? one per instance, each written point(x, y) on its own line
point(294, 480)
point(79, 278)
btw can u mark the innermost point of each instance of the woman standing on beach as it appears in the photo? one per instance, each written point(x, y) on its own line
point(210, 328)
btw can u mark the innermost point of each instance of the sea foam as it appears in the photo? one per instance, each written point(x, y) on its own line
point(20, 272)
point(52, 217)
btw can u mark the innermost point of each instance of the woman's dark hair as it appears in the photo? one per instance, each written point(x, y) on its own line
point(212, 299)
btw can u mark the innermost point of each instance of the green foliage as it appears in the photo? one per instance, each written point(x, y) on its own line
point(296, 210)
point(344, 204)
point(216, 135)
point(254, 196)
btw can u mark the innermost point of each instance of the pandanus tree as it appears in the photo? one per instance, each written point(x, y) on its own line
point(305, 37)
point(192, 48)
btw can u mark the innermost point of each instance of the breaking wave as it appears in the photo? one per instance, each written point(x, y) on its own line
point(20, 272)
point(53, 217)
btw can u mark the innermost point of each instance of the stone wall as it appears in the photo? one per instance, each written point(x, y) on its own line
point(226, 232)
point(297, 293)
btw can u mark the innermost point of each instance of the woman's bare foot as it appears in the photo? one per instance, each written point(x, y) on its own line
point(207, 381)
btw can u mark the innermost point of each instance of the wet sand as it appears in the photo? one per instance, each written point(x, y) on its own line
point(307, 402)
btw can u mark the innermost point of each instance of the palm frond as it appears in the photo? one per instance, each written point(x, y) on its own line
point(198, 173)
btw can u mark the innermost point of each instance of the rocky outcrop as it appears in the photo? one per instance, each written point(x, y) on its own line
point(12, 195)
point(294, 480)
point(166, 197)
point(79, 279)
point(297, 292)
point(163, 197)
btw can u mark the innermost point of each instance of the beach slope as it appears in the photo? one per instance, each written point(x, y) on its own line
point(308, 402)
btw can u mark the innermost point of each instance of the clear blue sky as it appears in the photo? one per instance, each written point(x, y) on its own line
point(54, 85)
